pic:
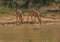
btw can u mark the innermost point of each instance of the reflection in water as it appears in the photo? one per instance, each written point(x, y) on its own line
point(30, 33)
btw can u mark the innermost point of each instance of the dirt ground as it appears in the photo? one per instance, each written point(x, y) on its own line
point(13, 19)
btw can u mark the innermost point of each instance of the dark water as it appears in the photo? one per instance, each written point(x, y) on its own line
point(30, 33)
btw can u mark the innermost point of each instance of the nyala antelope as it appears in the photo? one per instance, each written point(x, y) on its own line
point(34, 13)
point(19, 15)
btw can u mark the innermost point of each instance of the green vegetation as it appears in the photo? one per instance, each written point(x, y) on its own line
point(25, 3)
point(9, 6)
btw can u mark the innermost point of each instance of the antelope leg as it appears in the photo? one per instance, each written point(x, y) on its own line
point(39, 19)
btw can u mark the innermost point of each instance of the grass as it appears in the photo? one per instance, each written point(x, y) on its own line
point(30, 33)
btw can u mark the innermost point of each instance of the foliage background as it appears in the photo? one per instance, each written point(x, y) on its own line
point(9, 6)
